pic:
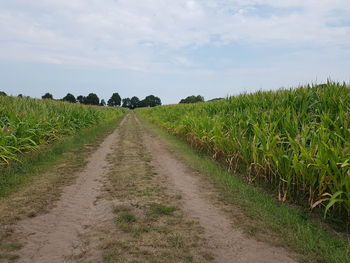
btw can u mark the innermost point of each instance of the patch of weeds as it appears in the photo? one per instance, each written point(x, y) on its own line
point(251, 230)
point(31, 214)
point(120, 208)
point(178, 197)
point(10, 257)
point(126, 218)
point(113, 245)
point(187, 257)
point(13, 246)
point(176, 241)
point(125, 222)
point(178, 257)
point(162, 229)
point(159, 209)
point(110, 257)
point(137, 231)
point(208, 256)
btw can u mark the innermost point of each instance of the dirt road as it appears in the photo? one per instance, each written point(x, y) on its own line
point(136, 202)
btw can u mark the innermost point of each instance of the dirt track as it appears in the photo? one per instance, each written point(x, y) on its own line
point(52, 237)
point(67, 233)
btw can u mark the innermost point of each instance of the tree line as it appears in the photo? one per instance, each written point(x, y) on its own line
point(117, 101)
point(114, 101)
point(192, 99)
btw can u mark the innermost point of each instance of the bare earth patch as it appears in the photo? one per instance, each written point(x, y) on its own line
point(52, 237)
point(38, 197)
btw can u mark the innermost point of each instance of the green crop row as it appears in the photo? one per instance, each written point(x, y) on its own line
point(28, 124)
point(297, 140)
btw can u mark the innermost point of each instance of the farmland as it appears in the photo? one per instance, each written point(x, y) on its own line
point(103, 182)
point(29, 124)
point(294, 141)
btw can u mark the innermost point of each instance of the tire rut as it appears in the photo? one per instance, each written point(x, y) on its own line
point(54, 236)
point(226, 243)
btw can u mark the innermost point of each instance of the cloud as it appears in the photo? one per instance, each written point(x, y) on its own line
point(150, 35)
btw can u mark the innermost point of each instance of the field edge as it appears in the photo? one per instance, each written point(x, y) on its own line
point(265, 218)
point(18, 174)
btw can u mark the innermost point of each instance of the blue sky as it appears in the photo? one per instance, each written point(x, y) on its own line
point(171, 49)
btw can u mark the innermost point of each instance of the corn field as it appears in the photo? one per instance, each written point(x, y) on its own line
point(28, 124)
point(296, 141)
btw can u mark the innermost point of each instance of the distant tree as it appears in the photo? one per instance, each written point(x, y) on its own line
point(150, 101)
point(143, 103)
point(81, 99)
point(47, 96)
point(134, 102)
point(2, 93)
point(102, 103)
point(153, 101)
point(192, 99)
point(126, 103)
point(92, 99)
point(70, 98)
point(20, 96)
point(115, 100)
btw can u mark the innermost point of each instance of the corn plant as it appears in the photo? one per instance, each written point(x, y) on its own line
point(296, 140)
point(28, 124)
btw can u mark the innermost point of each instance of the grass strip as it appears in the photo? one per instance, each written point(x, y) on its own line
point(290, 227)
point(19, 174)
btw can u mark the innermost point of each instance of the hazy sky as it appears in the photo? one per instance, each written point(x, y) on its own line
point(170, 48)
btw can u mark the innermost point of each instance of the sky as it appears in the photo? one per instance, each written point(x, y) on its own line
point(171, 49)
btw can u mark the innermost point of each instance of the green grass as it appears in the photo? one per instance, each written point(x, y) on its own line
point(13, 246)
point(159, 209)
point(126, 218)
point(10, 257)
point(289, 227)
point(14, 176)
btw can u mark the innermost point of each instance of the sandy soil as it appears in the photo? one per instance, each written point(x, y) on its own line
point(56, 236)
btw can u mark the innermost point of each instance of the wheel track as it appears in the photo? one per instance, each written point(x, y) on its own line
point(54, 236)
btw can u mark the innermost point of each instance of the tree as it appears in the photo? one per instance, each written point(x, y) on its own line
point(81, 99)
point(92, 99)
point(2, 93)
point(153, 101)
point(134, 102)
point(126, 103)
point(115, 100)
point(47, 96)
point(150, 101)
point(143, 103)
point(102, 103)
point(20, 96)
point(192, 99)
point(70, 98)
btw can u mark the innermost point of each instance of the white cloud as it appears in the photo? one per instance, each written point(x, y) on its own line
point(147, 35)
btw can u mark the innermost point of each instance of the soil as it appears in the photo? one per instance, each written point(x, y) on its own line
point(52, 237)
point(135, 201)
